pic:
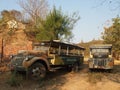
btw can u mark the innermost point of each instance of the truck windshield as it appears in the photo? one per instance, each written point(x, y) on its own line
point(100, 50)
point(41, 48)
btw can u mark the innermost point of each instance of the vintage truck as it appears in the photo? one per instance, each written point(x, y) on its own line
point(101, 57)
point(47, 56)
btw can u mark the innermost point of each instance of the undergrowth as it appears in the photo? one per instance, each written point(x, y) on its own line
point(94, 77)
point(15, 79)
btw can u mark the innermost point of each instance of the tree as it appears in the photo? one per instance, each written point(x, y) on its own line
point(114, 5)
point(34, 8)
point(35, 11)
point(111, 35)
point(57, 26)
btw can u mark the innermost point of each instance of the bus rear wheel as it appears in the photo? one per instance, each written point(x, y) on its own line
point(75, 67)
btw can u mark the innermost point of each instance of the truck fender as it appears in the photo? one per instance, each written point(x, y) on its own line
point(27, 64)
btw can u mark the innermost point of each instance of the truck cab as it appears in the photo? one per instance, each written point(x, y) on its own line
point(101, 57)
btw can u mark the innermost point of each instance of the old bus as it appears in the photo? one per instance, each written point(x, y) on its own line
point(48, 56)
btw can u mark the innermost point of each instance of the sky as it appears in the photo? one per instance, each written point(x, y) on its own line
point(94, 16)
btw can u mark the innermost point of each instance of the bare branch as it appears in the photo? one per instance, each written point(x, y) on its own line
point(34, 8)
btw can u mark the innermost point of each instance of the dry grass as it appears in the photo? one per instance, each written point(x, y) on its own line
point(94, 77)
point(62, 80)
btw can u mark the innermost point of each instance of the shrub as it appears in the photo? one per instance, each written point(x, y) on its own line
point(15, 79)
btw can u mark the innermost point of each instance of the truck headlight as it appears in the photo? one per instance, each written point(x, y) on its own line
point(110, 56)
point(91, 56)
point(26, 59)
point(11, 56)
point(110, 59)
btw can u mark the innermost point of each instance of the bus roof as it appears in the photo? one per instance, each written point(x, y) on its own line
point(57, 44)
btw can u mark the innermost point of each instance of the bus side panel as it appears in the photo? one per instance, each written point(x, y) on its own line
point(70, 60)
point(56, 60)
point(66, 59)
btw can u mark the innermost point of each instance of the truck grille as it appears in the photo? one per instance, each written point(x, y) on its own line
point(100, 62)
point(17, 61)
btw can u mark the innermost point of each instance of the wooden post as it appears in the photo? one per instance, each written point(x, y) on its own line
point(59, 49)
point(67, 50)
point(2, 50)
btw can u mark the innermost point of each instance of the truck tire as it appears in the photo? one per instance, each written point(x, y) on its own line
point(37, 71)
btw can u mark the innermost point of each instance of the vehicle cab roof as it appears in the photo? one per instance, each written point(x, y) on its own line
point(101, 46)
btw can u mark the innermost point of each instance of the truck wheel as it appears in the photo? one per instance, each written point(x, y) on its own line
point(91, 70)
point(109, 70)
point(69, 68)
point(37, 71)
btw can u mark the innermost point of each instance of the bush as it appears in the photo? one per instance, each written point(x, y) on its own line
point(15, 79)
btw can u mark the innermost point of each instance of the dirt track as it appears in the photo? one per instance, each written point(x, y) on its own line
point(63, 80)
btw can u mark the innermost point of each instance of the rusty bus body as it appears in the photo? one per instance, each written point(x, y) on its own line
point(47, 56)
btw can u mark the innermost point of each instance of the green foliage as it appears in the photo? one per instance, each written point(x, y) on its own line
point(34, 12)
point(111, 35)
point(57, 26)
point(30, 30)
point(15, 80)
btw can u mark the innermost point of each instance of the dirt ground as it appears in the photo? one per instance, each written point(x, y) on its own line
point(64, 80)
